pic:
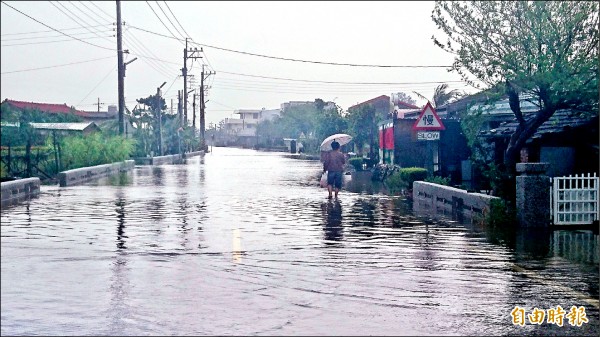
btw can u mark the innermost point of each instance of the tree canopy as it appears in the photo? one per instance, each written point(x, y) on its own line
point(545, 52)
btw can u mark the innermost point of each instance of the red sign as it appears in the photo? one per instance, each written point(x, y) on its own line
point(428, 120)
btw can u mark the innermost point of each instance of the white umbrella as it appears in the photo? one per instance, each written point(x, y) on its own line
point(341, 138)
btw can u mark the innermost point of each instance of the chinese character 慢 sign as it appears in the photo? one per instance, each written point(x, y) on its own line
point(428, 120)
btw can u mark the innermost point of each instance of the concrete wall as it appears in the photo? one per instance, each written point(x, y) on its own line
point(432, 198)
point(169, 159)
point(20, 189)
point(159, 160)
point(192, 154)
point(85, 174)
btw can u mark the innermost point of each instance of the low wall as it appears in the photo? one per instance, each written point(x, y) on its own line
point(192, 154)
point(85, 174)
point(159, 160)
point(19, 189)
point(429, 197)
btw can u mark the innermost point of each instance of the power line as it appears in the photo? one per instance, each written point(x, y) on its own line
point(48, 31)
point(45, 25)
point(70, 17)
point(161, 21)
point(335, 82)
point(169, 8)
point(291, 59)
point(46, 37)
point(55, 66)
point(102, 80)
point(101, 10)
point(160, 67)
point(171, 22)
point(44, 42)
point(84, 12)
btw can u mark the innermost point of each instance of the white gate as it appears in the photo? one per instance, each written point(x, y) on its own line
point(574, 199)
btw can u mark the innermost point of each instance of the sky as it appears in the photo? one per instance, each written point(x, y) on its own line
point(259, 54)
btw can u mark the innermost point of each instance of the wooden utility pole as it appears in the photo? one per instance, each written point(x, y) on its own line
point(194, 114)
point(121, 71)
point(159, 111)
point(179, 111)
point(203, 104)
point(98, 104)
point(184, 71)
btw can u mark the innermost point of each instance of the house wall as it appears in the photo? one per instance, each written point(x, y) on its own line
point(452, 149)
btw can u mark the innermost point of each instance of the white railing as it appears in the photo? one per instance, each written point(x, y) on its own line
point(574, 199)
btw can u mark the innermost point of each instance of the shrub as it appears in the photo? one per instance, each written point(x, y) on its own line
point(356, 162)
point(403, 179)
point(96, 149)
point(438, 180)
point(500, 214)
point(394, 183)
point(411, 174)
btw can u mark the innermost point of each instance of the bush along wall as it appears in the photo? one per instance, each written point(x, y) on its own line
point(401, 181)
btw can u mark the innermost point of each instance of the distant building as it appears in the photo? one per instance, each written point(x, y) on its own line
point(242, 131)
point(88, 116)
point(84, 128)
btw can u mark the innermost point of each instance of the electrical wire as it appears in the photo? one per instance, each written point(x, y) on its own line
point(45, 42)
point(45, 25)
point(171, 22)
point(158, 66)
point(169, 8)
point(101, 10)
point(49, 31)
point(161, 21)
point(84, 12)
point(102, 80)
point(296, 60)
point(74, 20)
point(55, 66)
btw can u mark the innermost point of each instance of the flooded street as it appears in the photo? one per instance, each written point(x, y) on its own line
point(240, 242)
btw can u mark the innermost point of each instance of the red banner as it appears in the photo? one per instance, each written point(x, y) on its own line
point(389, 138)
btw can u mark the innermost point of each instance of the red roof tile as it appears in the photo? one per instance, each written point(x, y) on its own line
point(372, 100)
point(46, 107)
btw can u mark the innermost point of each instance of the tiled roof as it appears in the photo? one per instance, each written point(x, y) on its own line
point(372, 100)
point(560, 121)
point(46, 107)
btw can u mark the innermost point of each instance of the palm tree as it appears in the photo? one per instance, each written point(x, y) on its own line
point(441, 96)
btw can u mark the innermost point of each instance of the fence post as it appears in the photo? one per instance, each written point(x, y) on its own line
point(533, 199)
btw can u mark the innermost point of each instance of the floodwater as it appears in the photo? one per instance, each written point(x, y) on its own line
point(240, 242)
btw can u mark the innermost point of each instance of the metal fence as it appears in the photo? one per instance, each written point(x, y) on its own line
point(574, 199)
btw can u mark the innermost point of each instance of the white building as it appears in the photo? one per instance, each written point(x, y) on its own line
point(243, 130)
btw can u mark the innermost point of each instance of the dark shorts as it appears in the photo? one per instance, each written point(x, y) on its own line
point(334, 179)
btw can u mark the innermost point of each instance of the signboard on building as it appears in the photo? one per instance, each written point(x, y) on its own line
point(428, 120)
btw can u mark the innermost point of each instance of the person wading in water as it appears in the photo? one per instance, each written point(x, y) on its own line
point(334, 165)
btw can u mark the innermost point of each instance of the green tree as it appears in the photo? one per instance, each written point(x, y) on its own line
point(545, 52)
point(362, 125)
point(441, 95)
point(329, 121)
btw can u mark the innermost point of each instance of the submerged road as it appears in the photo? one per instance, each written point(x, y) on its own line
point(240, 242)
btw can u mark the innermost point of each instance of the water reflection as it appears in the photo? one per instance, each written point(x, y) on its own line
point(332, 211)
point(120, 203)
point(198, 244)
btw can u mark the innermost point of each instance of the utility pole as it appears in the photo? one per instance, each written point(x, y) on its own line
point(194, 114)
point(159, 111)
point(121, 70)
point(184, 71)
point(202, 104)
point(179, 116)
point(98, 104)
